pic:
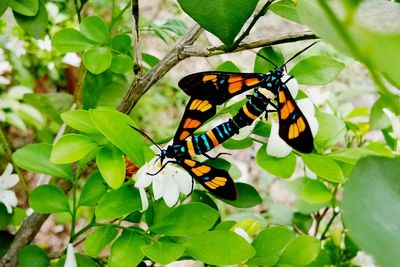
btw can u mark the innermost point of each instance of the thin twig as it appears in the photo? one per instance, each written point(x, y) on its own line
point(78, 10)
point(261, 13)
point(138, 68)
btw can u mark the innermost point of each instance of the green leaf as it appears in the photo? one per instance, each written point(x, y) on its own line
point(301, 251)
point(316, 70)
point(71, 147)
point(97, 240)
point(122, 43)
point(36, 25)
point(107, 121)
point(25, 7)
point(97, 59)
point(79, 120)
point(370, 208)
point(269, 245)
point(324, 167)
point(286, 9)
point(351, 155)
point(175, 26)
point(302, 205)
point(233, 144)
point(219, 248)
point(261, 65)
point(247, 196)
point(223, 18)
point(228, 66)
point(70, 40)
point(5, 217)
point(48, 199)
point(331, 130)
point(94, 28)
point(180, 221)
point(378, 119)
point(125, 251)
point(281, 167)
point(33, 256)
point(314, 191)
point(36, 158)
point(4, 5)
point(163, 251)
point(111, 163)
point(121, 64)
point(81, 260)
point(374, 30)
point(118, 203)
point(93, 190)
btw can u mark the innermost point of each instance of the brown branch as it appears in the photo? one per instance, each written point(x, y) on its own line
point(28, 230)
point(143, 83)
point(196, 51)
point(138, 68)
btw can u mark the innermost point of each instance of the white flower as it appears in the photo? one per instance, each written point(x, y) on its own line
point(45, 44)
point(70, 260)
point(167, 184)
point(240, 231)
point(363, 259)
point(72, 59)
point(16, 46)
point(7, 181)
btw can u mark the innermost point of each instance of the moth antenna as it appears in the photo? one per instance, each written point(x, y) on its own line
point(265, 58)
point(145, 135)
point(299, 53)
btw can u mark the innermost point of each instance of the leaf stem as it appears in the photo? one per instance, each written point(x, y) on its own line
point(7, 148)
point(118, 17)
point(261, 13)
point(78, 10)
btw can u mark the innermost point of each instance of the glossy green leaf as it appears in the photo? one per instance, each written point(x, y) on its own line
point(378, 119)
point(331, 130)
point(126, 138)
point(35, 25)
point(97, 240)
point(40, 196)
point(233, 144)
point(316, 70)
point(269, 245)
point(122, 43)
point(111, 163)
point(93, 190)
point(219, 248)
point(286, 9)
point(220, 17)
point(301, 251)
point(79, 120)
point(36, 158)
point(324, 167)
point(374, 30)
point(33, 256)
point(121, 64)
point(351, 155)
point(97, 59)
point(25, 7)
point(71, 147)
point(180, 221)
point(247, 196)
point(81, 260)
point(94, 28)
point(261, 65)
point(370, 208)
point(228, 66)
point(70, 40)
point(125, 251)
point(315, 191)
point(118, 203)
point(4, 5)
point(163, 251)
point(281, 167)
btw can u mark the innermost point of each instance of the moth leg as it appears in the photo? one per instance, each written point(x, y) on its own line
point(162, 167)
point(217, 156)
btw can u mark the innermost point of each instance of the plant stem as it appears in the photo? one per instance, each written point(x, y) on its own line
point(127, 229)
point(118, 17)
point(7, 148)
point(262, 12)
point(78, 10)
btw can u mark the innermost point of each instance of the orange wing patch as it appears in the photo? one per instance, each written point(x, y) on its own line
point(301, 124)
point(202, 169)
point(189, 162)
point(282, 97)
point(184, 135)
point(252, 81)
point(211, 77)
point(293, 131)
point(287, 109)
point(216, 182)
point(202, 105)
point(190, 123)
point(235, 86)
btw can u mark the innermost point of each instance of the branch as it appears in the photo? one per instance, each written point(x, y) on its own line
point(28, 230)
point(143, 83)
point(196, 51)
point(138, 68)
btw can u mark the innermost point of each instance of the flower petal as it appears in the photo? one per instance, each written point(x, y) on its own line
point(8, 198)
point(143, 198)
point(171, 193)
point(70, 260)
point(158, 186)
point(307, 107)
point(6, 182)
point(276, 146)
point(185, 183)
point(143, 180)
point(244, 132)
point(8, 170)
point(395, 122)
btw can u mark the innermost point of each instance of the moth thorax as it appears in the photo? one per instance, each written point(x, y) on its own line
point(267, 93)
